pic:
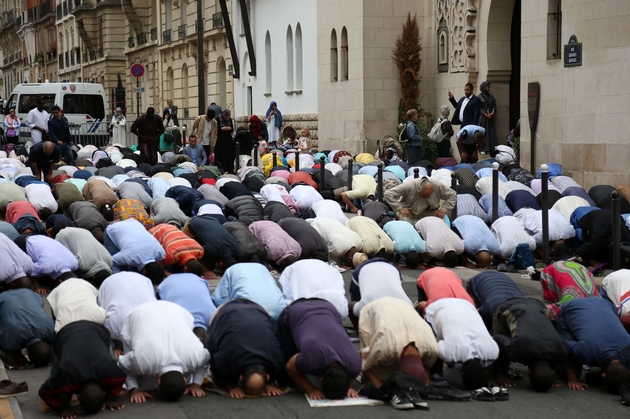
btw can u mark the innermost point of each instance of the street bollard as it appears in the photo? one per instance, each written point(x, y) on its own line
point(256, 154)
point(616, 231)
point(495, 191)
point(416, 173)
point(184, 138)
point(322, 174)
point(297, 162)
point(274, 159)
point(379, 182)
point(454, 187)
point(237, 164)
point(545, 212)
point(350, 174)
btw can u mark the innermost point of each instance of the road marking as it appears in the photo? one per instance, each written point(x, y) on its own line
point(5, 410)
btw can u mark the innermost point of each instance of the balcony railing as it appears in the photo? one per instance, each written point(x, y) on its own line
point(92, 55)
point(130, 42)
point(11, 16)
point(181, 31)
point(46, 8)
point(166, 36)
point(101, 52)
point(142, 38)
point(217, 20)
point(78, 54)
point(154, 36)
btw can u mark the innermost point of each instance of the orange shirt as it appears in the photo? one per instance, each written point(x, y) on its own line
point(439, 283)
point(179, 248)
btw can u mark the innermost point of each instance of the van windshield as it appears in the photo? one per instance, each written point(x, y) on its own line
point(29, 101)
point(84, 105)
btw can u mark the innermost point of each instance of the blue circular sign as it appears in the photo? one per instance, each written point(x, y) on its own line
point(137, 70)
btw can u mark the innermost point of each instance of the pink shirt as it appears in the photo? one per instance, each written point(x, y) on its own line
point(439, 283)
point(19, 208)
point(278, 243)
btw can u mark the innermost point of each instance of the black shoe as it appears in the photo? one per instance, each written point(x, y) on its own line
point(625, 394)
point(417, 401)
point(399, 401)
point(483, 394)
point(442, 392)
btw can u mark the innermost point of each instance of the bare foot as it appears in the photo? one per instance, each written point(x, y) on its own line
point(505, 381)
point(557, 383)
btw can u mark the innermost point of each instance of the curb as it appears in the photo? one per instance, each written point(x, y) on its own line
point(9, 407)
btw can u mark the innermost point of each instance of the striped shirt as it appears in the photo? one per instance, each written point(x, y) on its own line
point(468, 205)
point(563, 182)
point(179, 248)
point(466, 177)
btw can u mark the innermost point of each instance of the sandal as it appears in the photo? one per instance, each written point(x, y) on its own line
point(483, 394)
point(500, 393)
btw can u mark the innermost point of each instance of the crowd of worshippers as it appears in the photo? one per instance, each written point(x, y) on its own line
point(113, 219)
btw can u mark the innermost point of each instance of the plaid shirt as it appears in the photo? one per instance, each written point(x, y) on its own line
point(179, 248)
point(132, 208)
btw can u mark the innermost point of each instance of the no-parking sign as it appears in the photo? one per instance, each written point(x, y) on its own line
point(137, 70)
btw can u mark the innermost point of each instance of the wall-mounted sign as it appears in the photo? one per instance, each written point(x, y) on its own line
point(573, 53)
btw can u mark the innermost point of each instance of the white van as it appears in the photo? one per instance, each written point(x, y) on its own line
point(84, 104)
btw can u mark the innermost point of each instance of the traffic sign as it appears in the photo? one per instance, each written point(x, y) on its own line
point(137, 70)
point(138, 89)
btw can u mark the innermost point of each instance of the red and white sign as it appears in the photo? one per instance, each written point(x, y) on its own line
point(73, 88)
point(137, 70)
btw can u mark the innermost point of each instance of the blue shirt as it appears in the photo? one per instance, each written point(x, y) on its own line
point(490, 290)
point(24, 320)
point(137, 246)
point(470, 130)
point(592, 330)
point(190, 292)
point(486, 203)
point(405, 237)
point(253, 282)
point(476, 235)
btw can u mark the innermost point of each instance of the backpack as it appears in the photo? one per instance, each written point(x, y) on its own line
point(403, 137)
point(436, 135)
point(522, 257)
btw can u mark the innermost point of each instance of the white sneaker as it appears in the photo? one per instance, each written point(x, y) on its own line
point(337, 267)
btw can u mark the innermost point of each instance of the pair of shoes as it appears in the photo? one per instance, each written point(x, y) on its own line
point(10, 389)
point(407, 399)
point(483, 394)
point(439, 391)
point(500, 393)
point(502, 267)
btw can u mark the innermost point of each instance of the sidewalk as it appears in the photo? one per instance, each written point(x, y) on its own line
point(9, 408)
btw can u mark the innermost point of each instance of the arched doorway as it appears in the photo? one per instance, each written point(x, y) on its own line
point(503, 52)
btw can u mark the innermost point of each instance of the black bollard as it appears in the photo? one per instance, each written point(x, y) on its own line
point(495, 191)
point(297, 161)
point(275, 159)
point(416, 173)
point(237, 164)
point(256, 154)
point(379, 182)
point(184, 139)
point(545, 212)
point(322, 174)
point(616, 231)
point(454, 187)
point(350, 174)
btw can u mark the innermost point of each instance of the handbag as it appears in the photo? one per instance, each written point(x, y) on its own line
point(11, 132)
point(168, 137)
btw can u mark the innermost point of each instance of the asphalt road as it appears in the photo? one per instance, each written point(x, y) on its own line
point(523, 402)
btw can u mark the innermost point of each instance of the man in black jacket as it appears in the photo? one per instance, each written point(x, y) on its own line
point(467, 110)
point(312, 243)
point(60, 134)
point(245, 354)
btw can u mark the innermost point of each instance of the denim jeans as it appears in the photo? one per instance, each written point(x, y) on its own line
point(66, 154)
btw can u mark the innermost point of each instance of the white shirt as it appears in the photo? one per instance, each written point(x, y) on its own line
point(305, 197)
point(41, 197)
point(329, 209)
point(207, 129)
point(377, 280)
point(39, 119)
point(312, 278)
point(461, 110)
point(373, 237)
point(484, 187)
point(340, 238)
point(516, 186)
point(119, 294)
point(73, 300)
point(438, 237)
point(210, 209)
point(559, 227)
point(224, 180)
point(617, 287)
point(460, 332)
point(158, 338)
point(564, 206)
point(273, 193)
point(523, 212)
point(510, 232)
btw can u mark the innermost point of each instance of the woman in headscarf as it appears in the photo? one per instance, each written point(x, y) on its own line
point(166, 139)
point(224, 150)
point(274, 122)
point(486, 119)
point(257, 128)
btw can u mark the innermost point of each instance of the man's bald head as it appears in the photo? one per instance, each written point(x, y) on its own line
point(483, 259)
point(425, 190)
point(48, 148)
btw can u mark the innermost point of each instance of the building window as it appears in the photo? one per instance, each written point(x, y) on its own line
point(344, 54)
point(334, 57)
point(185, 89)
point(222, 79)
point(442, 47)
point(168, 4)
point(554, 30)
point(299, 76)
point(184, 12)
point(289, 59)
point(268, 61)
